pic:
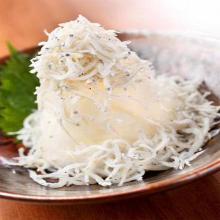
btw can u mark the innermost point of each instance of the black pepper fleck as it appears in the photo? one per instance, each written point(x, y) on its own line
point(67, 54)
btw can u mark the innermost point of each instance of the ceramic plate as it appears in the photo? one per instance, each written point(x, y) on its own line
point(171, 54)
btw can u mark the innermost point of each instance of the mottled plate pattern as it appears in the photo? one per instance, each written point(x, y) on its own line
point(170, 53)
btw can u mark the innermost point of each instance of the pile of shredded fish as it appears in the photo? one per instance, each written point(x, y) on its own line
point(104, 116)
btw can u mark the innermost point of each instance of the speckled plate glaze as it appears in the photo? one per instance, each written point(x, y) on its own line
point(170, 53)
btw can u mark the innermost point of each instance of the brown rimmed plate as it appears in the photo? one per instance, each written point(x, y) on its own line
point(181, 54)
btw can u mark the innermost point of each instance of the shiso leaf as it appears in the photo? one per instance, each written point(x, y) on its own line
point(17, 86)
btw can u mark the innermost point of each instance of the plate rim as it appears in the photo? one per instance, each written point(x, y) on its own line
point(144, 190)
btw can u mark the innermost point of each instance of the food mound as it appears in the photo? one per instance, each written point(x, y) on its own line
point(104, 116)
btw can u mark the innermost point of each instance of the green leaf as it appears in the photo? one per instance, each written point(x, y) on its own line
point(17, 86)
